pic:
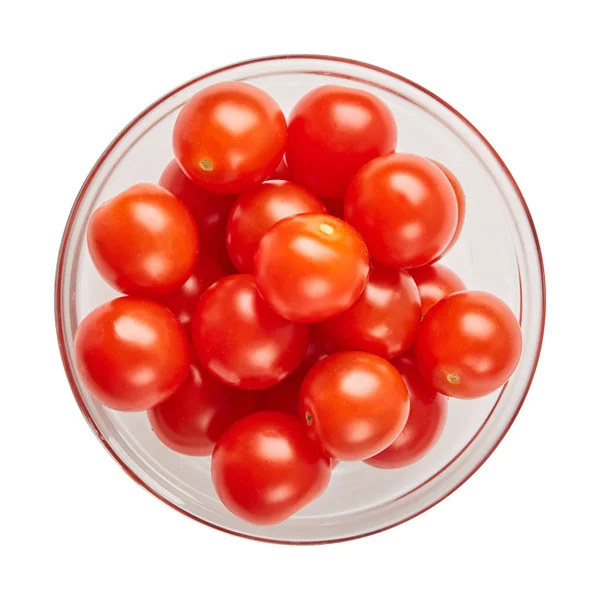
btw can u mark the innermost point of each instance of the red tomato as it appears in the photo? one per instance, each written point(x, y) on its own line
point(229, 137)
point(435, 282)
point(281, 172)
point(311, 267)
point(144, 241)
point(194, 417)
point(241, 340)
point(462, 204)
point(183, 302)
point(131, 354)
point(264, 468)
point(333, 132)
point(404, 207)
point(354, 404)
point(384, 320)
point(210, 210)
point(426, 421)
point(257, 210)
point(285, 395)
point(468, 345)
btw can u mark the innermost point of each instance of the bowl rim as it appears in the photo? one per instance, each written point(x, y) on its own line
point(60, 268)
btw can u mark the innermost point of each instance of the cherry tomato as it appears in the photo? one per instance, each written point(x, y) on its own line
point(333, 132)
point(182, 303)
point(384, 320)
point(210, 210)
point(131, 353)
point(144, 241)
point(404, 207)
point(461, 199)
point(435, 282)
point(257, 210)
point(468, 345)
point(229, 137)
point(264, 468)
point(194, 417)
point(311, 267)
point(426, 421)
point(354, 404)
point(285, 395)
point(281, 172)
point(241, 340)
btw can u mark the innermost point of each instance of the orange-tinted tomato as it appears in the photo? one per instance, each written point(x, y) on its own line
point(229, 137)
point(311, 267)
point(354, 404)
point(144, 241)
point(468, 344)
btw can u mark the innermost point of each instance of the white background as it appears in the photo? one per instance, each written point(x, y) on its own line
point(73, 525)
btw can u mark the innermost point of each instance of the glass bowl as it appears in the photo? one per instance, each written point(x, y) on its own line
point(497, 252)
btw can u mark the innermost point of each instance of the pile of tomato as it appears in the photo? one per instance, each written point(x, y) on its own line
point(284, 308)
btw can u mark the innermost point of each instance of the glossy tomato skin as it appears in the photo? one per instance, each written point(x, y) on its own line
point(265, 469)
point(182, 303)
point(143, 241)
point(229, 137)
point(353, 404)
point(131, 353)
point(257, 210)
point(285, 395)
point(434, 283)
point(241, 340)
point(468, 345)
point(311, 267)
point(405, 209)
point(334, 131)
point(461, 200)
point(425, 424)
point(210, 210)
point(384, 320)
point(195, 416)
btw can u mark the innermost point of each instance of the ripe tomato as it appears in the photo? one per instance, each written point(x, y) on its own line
point(404, 207)
point(210, 210)
point(435, 282)
point(426, 421)
point(333, 132)
point(311, 267)
point(241, 340)
point(354, 404)
point(131, 354)
point(182, 303)
point(229, 137)
point(194, 417)
point(468, 345)
point(285, 395)
point(461, 200)
point(144, 241)
point(264, 468)
point(257, 210)
point(383, 320)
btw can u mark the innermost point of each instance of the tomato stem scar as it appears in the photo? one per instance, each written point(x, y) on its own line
point(309, 418)
point(206, 165)
point(453, 378)
point(325, 228)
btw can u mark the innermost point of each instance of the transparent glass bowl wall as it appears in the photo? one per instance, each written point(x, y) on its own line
point(498, 252)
